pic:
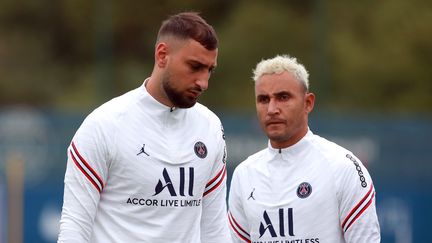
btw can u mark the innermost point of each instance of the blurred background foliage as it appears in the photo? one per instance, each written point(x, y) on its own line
point(363, 56)
point(368, 63)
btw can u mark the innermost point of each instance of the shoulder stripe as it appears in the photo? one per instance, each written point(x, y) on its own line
point(86, 169)
point(243, 234)
point(216, 181)
point(358, 210)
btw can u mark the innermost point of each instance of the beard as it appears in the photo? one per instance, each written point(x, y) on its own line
point(178, 98)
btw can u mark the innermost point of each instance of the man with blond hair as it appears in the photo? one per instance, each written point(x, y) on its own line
point(302, 187)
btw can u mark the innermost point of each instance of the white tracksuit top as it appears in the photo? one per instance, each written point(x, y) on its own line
point(138, 171)
point(312, 192)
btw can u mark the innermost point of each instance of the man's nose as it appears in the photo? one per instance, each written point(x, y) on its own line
point(273, 107)
point(203, 80)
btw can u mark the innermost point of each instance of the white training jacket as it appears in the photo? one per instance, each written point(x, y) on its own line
point(138, 171)
point(312, 192)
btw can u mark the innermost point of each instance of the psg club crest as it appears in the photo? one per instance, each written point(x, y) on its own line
point(200, 149)
point(304, 190)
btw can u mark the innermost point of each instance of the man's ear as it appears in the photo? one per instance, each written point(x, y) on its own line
point(161, 54)
point(309, 102)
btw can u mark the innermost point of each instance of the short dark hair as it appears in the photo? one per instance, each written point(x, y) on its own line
point(189, 25)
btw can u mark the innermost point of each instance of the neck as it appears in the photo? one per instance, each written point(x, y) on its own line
point(155, 89)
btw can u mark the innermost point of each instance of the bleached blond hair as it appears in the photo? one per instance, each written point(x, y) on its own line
point(279, 64)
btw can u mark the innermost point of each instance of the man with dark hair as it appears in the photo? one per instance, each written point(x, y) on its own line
point(149, 166)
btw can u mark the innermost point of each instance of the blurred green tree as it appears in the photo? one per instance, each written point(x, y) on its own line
point(362, 55)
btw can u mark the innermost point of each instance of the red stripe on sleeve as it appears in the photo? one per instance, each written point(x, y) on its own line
point(84, 172)
point(217, 176)
point(357, 206)
point(231, 220)
point(361, 212)
point(88, 166)
point(219, 182)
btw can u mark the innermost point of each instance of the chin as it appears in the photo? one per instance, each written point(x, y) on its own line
point(186, 102)
point(276, 136)
point(186, 105)
point(274, 131)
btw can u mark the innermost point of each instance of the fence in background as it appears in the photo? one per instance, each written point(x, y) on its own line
point(396, 151)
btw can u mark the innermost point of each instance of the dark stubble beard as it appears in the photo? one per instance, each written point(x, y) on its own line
point(177, 98)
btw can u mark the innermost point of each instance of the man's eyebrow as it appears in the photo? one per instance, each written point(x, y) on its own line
point(261, 96)
point(196, 62)
point(276, 94)
point(283, 92)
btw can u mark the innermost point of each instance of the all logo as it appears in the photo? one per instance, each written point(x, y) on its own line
point(284, 227)
point(183, 188)
point(304, 190)
point(200, 149)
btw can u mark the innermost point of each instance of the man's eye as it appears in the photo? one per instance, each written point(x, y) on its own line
point(283, 97)
point(262, 99)
point(195, 67)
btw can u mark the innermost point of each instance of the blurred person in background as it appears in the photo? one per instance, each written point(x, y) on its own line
point(149, 166)
point(302, 187)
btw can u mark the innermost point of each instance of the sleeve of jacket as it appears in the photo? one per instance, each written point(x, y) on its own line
point(359, 220)
point(214, 224)
point(237, 218)
point(85, 177)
